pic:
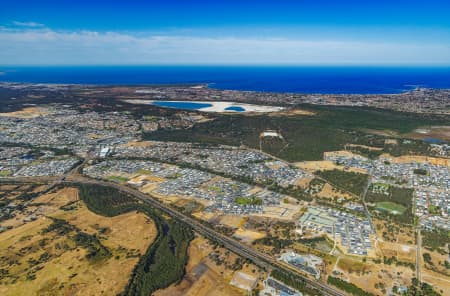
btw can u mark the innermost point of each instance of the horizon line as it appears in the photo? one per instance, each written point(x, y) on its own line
point(235, 65)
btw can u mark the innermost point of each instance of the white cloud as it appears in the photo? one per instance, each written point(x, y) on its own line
point(28, 24)
point(41, 45)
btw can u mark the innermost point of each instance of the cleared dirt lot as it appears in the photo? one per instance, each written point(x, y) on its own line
point(319, 165)
point(248, 236)
point(422, 159)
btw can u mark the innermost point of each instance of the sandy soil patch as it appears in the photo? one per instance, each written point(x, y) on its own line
point(339, 153)
point(329, 192)
point(248, 236)
point(40, 188)
point(161, 197)
point(232, 221)
point(149, 188)
point(8, 187)
point(303, 182)
point(243, 281)
point(320, 165)
point(205, 216)
point(29, 112)
point(140, 144)
point(384, 133)
point(421, 159)
point(391, 142)
point(365, 147)
point(281, 212)
point(173, 199)
point(313, 166)
point(146, 178)
point(293, 112)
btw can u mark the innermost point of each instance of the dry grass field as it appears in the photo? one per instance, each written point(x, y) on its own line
point(37, 259)
point(318, 165)
point(421, 159)
point(330, 192)
point(365, 147)
point(373, 277)
point(141, 144)
point(434, 271)
point(292, 112)
point(403, 252)
point(440, 283)
point(29, 112)
point(204, 277)
point(248, 236)
point(390, 232)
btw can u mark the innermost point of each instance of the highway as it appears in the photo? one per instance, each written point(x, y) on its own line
point(259, 258)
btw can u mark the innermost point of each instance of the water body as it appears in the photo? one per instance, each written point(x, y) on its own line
point(434, 141)
point(27, 157)
point(334, 80)
point(182, 105)
point(235, 108)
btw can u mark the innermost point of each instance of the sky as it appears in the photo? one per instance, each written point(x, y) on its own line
point(316, 32)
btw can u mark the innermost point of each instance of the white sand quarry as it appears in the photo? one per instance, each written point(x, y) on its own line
point(219, 106)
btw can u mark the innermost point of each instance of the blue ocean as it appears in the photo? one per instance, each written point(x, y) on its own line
point(333, 80)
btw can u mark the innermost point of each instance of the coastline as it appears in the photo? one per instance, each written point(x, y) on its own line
point(423, 100)
point(311, 80)
point(198, 86)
